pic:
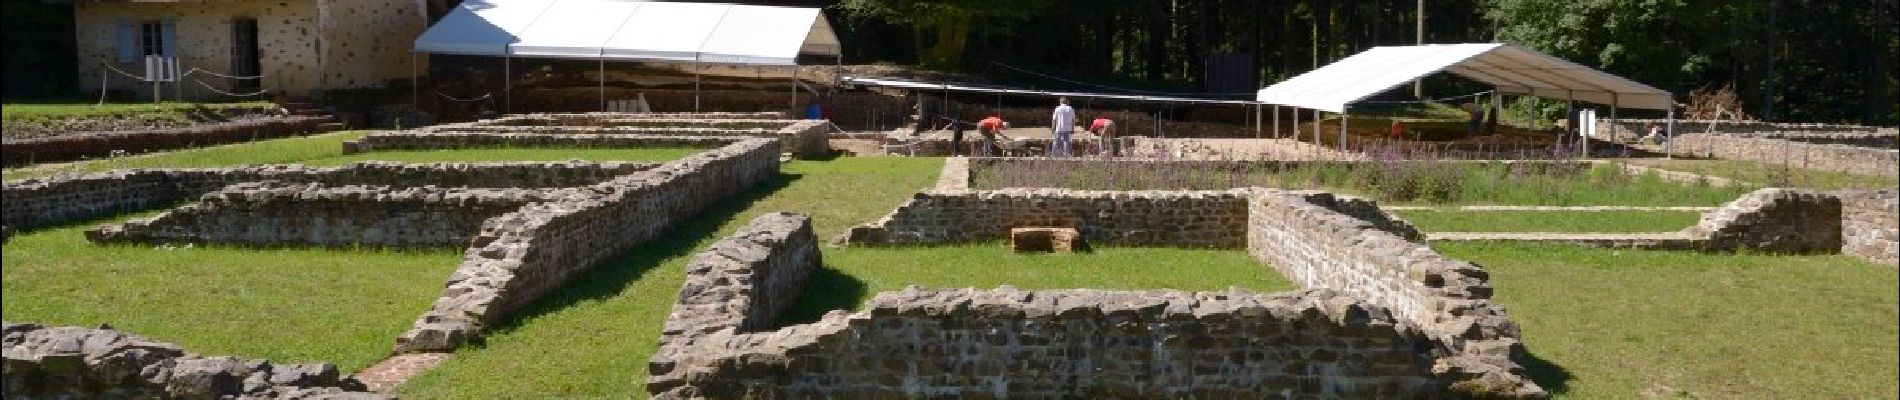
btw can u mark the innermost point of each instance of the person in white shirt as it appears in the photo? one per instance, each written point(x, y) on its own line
point(1063, 121)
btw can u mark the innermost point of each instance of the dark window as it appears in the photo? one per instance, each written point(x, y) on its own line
point(151, 38)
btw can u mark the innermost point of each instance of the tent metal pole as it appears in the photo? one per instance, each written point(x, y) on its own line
point(1345, 121)
point(1316, 138)
point(793, 110)
point(1296, 125)
point(695, 85)
point(603, 84)
point(1669, 132)
point(507, 85)
point(1276, 121)
point(1614, 102)
point(415, 102)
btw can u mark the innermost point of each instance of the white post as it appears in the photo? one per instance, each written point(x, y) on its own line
point(1316, 130)
point(1276, 121)
point(1614, 102)
point(695, 85)
point(1296, 125)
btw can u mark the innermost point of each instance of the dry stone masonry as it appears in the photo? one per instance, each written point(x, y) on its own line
point(1870, 225)
point(271, 214)
point(74, 362)
point(37, 202)
point(518, 256)
point(1383, 316)
point(804, 138)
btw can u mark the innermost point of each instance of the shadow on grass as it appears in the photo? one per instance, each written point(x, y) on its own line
point(1554, 378)
point(828, 290)
point(609, 279)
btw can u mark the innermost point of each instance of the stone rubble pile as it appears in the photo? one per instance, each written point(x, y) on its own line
point(75, 362)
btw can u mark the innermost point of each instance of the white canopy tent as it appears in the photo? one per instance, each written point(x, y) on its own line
point(631, 30)
point(1508, 68)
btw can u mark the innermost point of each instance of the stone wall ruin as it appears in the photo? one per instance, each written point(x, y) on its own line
point(76, 362)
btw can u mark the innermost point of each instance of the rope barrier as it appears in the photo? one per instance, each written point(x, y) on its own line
point(485, 96)
point(215, 90)
point(196, 70)
point(127, 74)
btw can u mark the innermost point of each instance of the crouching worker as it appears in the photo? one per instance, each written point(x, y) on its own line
point(991, 128)
point(1103, 128)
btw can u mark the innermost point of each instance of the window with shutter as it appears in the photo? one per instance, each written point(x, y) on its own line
point(128, 41)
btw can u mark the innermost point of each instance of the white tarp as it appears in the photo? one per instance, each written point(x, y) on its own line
point(1511, 69)
point(632, 30)
point(480, 27)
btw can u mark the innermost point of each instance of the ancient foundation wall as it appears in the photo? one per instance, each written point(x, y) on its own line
point(75, 362)
point(1006, 343)
point(39, 202)
point(1447, 299)
point(1775, 220)
point(103, 144)
point(518, 256)
point(1870, 225)
point(1826, 157)
point(740, 285)
point(1215, 218)
point(1859, 135)
point(805, 138)
point(271, 214)
point(421, 140)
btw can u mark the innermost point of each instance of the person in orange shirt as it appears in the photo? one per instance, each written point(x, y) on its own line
point(991, 128)
point(1102, 127)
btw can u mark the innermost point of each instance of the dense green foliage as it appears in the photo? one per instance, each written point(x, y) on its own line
point(1794, 60)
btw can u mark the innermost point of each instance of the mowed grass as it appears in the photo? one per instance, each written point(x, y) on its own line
point(286, 305)
point(1550, 221)
point(1601, 323)
point(1790, 174)
point(853, 275)
point(327, 150)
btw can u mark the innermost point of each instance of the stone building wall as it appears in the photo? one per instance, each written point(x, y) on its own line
point(1870, 225)
point(37, 202)
point(1625, 128)
point(1214, 218)
point(1775, 220)
point(805, 138)
point(740, 284)
point(303, 45)
point(517, 257)
point(75, 362)
point(82, 145)
point(1448, 300)
point(271, 214)
point(419, 140)
point(1825, 157)
point(1006, 343)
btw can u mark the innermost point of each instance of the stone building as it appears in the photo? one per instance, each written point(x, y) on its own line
point(299, 47)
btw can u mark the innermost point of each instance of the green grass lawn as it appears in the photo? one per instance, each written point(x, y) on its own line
point(327, 150)
point(1550, 221)
point(1603, 323)
point(286, 305)
point(1770, 174)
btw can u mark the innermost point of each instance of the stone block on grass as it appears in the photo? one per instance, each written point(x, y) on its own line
point(1046, 240)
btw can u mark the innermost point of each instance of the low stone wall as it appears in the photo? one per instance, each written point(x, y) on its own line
point(103, 144)
point(740, 285)
point(422, 140)
point(805, 138)
point(1475, 341)
point(1007, 343)
point(272, 214)
point(74, 362)
point(1215, 218)
point(1825, 157)
point(1774, 220)
point(519, 256)
point(1860, 135)
point(37, 202)
point(1870, 225)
